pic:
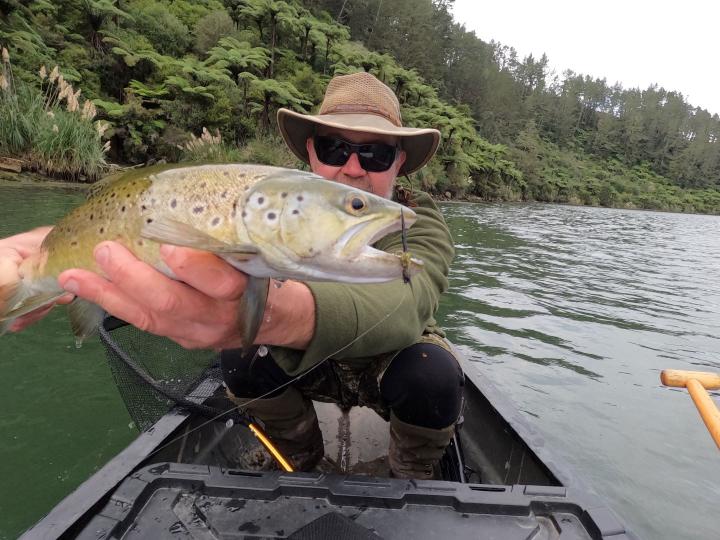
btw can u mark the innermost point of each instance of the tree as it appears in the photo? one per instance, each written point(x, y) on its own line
point(97, 14)
point(272, 94)
point(237, 57)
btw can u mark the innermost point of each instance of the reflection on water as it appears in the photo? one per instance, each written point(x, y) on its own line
point(573, 312)
point(60, 415)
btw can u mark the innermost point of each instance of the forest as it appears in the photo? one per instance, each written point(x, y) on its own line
point(88, 85)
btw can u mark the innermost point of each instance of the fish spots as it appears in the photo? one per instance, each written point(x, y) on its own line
point(234, 210)
point(143, 208)
point(260, 200)
point(123, 208)
point(148, 220)
point(173, 204)
point(244, 213)
point(223, 195)
point(140, 242)
point(92, 216)
point(271, 215)
point(226, 173)
point(74, 243)
point(215, 221)
point(198, 209)
point(296, 212)
point(101, 230)
point(284, 194)
point(300, 198)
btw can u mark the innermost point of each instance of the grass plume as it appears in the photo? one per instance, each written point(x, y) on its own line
point(50, 127)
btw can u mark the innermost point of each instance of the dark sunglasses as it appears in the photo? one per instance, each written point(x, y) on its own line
point(374, 157)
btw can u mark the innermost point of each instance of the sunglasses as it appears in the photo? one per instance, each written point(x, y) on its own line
point(374, 157)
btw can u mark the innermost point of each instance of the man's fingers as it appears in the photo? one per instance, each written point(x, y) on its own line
point(134, 291)
point(137, 279)
point(65, 299)
point(96, 289)
point(205, 272)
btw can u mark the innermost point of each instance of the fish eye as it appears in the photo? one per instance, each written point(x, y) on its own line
point(356, 203)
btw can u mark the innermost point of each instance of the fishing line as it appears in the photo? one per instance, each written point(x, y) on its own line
point(291, 381)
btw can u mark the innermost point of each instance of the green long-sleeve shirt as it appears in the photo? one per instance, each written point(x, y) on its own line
point(404, 311)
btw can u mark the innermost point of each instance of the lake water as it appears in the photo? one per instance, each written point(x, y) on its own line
point(572, 312)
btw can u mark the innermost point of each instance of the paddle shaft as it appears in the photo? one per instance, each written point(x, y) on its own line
point(697, 382)
point(707, 408)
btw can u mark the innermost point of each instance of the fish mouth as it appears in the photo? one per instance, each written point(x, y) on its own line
point(356, 244)
point(361, 236)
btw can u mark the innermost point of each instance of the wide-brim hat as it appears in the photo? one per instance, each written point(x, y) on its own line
point(360, 102)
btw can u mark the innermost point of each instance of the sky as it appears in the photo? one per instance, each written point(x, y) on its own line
point(633, 42)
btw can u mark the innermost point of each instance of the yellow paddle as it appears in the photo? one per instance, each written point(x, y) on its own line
point(698, 383)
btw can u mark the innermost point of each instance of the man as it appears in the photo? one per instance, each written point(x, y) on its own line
point(375, 345)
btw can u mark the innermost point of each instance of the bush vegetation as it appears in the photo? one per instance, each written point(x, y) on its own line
point(49, 126)
point(177, 80)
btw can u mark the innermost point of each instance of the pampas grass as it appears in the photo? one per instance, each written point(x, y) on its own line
point(50, 128)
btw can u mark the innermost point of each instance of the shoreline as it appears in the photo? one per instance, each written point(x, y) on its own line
point(25, 179)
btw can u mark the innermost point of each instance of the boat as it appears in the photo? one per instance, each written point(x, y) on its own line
point(198, 473)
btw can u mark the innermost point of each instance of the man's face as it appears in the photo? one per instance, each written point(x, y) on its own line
point(352, 173)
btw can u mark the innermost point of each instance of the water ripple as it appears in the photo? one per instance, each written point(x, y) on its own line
point(552, 300)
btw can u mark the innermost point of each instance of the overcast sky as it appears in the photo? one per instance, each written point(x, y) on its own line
point(634, 42)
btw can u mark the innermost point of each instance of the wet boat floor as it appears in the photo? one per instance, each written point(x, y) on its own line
point(356, 442)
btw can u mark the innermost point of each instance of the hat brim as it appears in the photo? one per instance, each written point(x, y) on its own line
point(419, 144)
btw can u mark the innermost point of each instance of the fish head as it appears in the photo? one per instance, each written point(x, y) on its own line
point(311, 228)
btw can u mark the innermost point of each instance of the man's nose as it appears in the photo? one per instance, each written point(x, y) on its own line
point(352, 167)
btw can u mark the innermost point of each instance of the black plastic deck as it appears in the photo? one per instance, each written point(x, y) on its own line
point(196, 501)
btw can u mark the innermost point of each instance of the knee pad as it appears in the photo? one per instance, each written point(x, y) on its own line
point(423, 386)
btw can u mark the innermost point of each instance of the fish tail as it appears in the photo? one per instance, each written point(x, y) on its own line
point(19, 298)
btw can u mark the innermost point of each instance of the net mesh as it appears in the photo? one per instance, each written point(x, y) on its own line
point(154, 374)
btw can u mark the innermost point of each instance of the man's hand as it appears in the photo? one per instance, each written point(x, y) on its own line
point(198, 311)
point(13, 251)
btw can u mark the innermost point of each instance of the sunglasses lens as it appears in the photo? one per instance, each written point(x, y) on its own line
point(331, 151)
point(374, 157)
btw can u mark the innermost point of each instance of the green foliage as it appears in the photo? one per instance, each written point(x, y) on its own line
point(269, 150)
point(191, 11)
point(210, 28)
point(161, 70)
point(165, 31)
point(51, 130)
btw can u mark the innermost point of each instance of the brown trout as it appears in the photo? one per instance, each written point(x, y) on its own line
point(266, 221)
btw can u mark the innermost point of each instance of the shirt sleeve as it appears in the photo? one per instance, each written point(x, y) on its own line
point(360, 321)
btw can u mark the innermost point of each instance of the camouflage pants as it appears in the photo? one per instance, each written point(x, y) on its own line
point(351, 385)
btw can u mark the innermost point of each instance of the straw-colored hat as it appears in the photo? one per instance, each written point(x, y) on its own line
point(360, 102)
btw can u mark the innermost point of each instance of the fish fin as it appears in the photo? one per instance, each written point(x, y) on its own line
point(18, 300)
point(85, 317)
point(252, 309)
point(169, 231)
